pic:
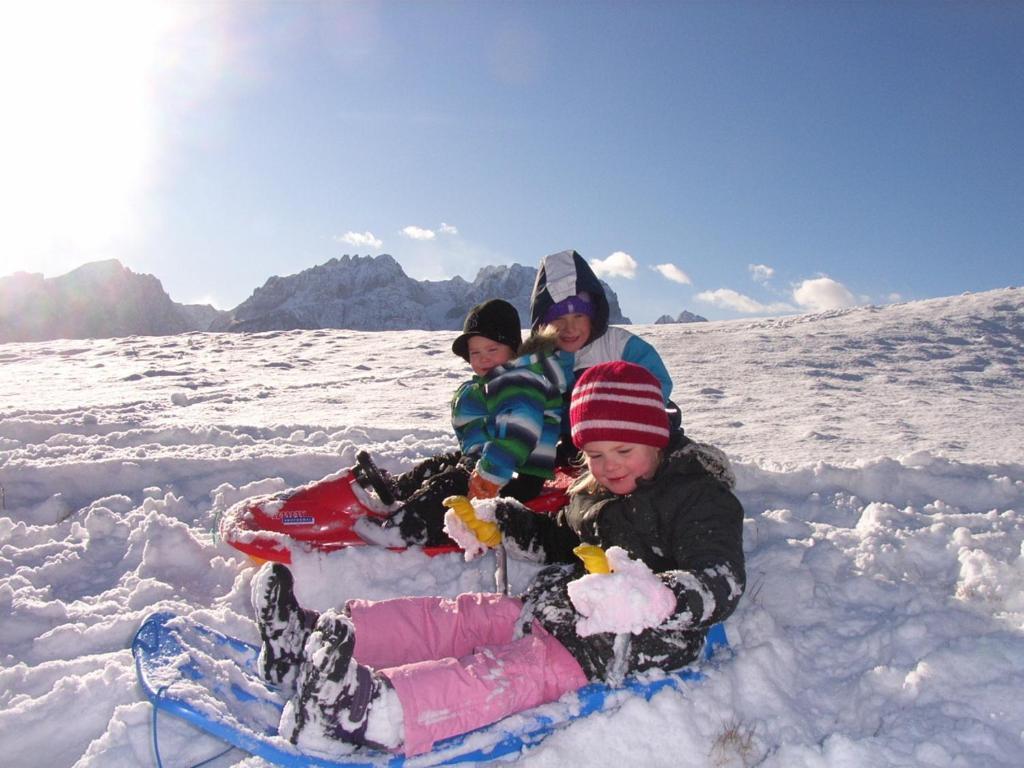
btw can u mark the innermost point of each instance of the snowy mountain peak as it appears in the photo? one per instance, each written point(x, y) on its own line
point(103, 269)
point(96, 300)
point(370, 293)
point(683, 317)
point(373, 293)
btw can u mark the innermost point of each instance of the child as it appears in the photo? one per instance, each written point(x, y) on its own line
point(568, 295)
point(506, 419)
point(401, 674)
point(569, 303)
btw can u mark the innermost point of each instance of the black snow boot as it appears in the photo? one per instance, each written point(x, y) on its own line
point(421, 519)
point(336, 696)
point(283, 624)
point(407, 483)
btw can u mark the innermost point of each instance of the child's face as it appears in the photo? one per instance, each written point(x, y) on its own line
point(485, 354)
point(573, 331)
point(617, 466)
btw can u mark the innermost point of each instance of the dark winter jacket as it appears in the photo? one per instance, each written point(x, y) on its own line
point(684, 523)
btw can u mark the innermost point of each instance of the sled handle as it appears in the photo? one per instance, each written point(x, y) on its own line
point(368, 471)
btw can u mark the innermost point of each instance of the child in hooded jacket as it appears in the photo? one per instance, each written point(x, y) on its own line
point(506, 419)
point(569, 304)
point(401, 674)
point(568, 295)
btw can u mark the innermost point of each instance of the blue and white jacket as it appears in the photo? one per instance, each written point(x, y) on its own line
point(566, 274)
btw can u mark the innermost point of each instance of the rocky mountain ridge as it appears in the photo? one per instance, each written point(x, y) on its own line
point(374, 294)
point(99, 299)
point(683, 317)
point(105, 299)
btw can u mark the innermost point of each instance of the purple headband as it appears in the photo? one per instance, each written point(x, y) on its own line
point(574, 305)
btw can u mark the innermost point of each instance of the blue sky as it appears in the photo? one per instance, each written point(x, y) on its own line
point(731, 159)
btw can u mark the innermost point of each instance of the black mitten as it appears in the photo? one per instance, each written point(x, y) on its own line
point(533, 535)
point(520, 529)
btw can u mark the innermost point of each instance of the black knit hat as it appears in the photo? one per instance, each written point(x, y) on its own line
point(495, 319)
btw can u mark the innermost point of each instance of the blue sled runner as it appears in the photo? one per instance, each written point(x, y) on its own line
point(210, 680)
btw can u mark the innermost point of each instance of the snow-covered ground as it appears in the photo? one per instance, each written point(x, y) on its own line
point(880, 456)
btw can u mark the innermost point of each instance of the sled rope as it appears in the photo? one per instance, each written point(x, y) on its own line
point(488, 533)
point(156, 737)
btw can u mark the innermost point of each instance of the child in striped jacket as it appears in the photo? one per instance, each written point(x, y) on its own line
point(507, 419)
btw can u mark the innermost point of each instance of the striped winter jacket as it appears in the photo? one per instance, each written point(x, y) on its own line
point(512, 417)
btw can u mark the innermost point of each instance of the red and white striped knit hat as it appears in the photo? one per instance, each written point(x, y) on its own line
point(618, 401)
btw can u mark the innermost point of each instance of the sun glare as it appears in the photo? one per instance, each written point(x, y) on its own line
point(78, 142)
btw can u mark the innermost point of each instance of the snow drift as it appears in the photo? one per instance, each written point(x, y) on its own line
point(879, 458)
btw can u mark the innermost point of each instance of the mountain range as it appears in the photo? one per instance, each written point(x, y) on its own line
point(97, 300)
point(370, 293)
point(682, 317)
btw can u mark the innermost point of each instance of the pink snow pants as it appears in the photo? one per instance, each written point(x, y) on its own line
point(454, 663)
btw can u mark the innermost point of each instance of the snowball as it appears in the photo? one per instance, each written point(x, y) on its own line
point(629, 599)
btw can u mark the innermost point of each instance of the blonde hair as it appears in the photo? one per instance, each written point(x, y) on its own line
point(587, 483)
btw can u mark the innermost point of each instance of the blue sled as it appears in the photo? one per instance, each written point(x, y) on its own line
point(210, 680)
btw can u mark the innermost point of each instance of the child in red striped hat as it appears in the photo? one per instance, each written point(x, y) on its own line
point(619, 422)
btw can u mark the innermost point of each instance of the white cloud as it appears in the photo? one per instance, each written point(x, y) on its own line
point(419, 233)
point(619, 264)
point(366, 239)
point(727, 298)
point(673, 273)
point(761, 273)
point(821, 294)
point(449, 229)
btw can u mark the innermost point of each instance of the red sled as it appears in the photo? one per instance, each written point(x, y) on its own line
point(321, 516)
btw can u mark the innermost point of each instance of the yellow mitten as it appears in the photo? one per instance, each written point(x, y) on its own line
point(593, 558)
point(488, 533)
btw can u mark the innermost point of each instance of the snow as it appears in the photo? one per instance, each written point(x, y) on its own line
point(879, 454)
point(627, 597)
